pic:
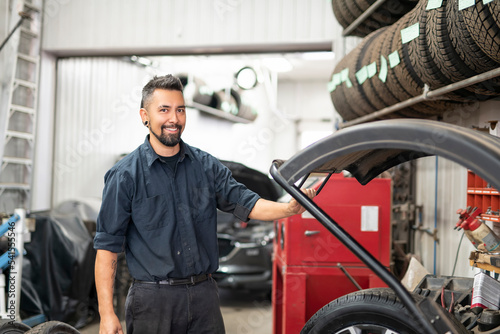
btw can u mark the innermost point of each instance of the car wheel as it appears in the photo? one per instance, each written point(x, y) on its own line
point(375, 311)
point(13, 328)
point(53, 327)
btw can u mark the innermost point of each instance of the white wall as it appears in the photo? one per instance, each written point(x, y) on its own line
point(44, 144)
point(96, 120)
point(95, 27)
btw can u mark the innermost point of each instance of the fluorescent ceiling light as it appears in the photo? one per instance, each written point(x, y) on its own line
point(278, 64)
point(320, 55)
point(141, 60)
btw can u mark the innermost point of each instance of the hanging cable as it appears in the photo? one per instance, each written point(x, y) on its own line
point(456, 256)
point(24, 15)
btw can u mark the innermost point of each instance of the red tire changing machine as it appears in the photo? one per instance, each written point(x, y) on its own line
point(311, 267)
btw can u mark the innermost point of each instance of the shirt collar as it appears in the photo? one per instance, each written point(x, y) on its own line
point(152, 156)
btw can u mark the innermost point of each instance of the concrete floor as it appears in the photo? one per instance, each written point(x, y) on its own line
point(243, 313)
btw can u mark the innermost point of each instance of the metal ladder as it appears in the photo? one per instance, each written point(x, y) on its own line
point(17, 142)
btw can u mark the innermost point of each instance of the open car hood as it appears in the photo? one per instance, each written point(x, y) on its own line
point(369, 149)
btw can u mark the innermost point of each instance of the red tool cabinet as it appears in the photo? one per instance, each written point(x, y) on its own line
point(311, 267)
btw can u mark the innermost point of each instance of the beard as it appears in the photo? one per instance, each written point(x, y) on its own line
point(169, 139)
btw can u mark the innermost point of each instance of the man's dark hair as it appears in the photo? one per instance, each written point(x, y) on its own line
point(168, 82)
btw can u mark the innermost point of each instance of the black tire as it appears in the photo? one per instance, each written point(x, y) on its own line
point(483, 28)
point(463, 43)
point(350, 102)
point(426, 55)
point(8, 327)
point(374, 310)
point(376, 90)
point(399, 79)
point(347, 11)
point(336, 12)
point(495, 11)
point(357, 10)
point(368, 86)
point(449, 65)
point(339, 15)
point(346, 18)
point(405, 72)
point(362, 59)
point(53, 327)
point(339, 98)
point(392, 91)
point(372, 55)
point(339, 101)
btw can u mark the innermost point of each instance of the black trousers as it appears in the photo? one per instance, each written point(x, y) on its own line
point(177, 309)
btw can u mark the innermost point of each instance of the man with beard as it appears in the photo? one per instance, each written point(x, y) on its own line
point(159, 206)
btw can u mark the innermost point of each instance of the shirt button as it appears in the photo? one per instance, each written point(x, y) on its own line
point(178, 252)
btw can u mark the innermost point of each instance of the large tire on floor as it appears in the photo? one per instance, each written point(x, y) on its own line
point(53, 327)
point(373, 311)
point(9, 327)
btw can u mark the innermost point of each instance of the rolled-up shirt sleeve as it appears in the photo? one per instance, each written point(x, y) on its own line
point(233, 196)
point(115, 213)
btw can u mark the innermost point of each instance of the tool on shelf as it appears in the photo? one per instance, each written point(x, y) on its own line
point(480, 234)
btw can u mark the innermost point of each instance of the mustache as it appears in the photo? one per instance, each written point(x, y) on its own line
point(177, 126)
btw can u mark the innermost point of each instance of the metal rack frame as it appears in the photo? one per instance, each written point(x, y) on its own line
point(427, 95)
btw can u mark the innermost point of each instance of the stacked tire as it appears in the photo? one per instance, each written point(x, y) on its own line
point(426, 48)
point(347, 11)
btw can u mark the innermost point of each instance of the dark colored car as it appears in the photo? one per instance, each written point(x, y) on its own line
point(245, 248)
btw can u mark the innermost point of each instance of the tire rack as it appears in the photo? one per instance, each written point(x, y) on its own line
point(361, 17)
point(347, 31)
point(427, 95)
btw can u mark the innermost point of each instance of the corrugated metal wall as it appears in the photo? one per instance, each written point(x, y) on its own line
point(451, 195)
point(160, 26)
point(97, 97)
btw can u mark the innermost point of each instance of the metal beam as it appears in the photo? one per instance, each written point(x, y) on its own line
point(362, 17)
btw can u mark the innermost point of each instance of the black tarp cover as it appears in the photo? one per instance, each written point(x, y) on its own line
point(58, 270)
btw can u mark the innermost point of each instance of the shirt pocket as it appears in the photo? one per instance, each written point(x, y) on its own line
point(152, 212)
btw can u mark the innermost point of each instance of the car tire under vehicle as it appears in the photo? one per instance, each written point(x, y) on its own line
point(376, 311)
point(9, 327)
point(53, 327)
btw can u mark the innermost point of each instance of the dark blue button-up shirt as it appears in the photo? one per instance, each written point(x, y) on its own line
point(165, 220)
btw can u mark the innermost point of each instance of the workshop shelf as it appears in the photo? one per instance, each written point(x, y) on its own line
point(480, 194)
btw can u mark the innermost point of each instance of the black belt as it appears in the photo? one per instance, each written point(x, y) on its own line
point(179, 281)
